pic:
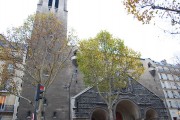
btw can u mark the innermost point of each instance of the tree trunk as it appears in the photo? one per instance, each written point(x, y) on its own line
point(40, 105)
point(111, 117)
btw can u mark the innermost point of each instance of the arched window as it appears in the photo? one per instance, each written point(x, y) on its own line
point(56, 4)
point(50, 3)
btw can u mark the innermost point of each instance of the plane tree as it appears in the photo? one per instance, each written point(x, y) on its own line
point(106, 64)
point(37, 50)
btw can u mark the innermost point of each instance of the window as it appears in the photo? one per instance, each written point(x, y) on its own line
point(167, 94)
point(160, 69)
point(50, 3)
point(170, 104)
point(166, 69)
point(40, 2)
point(163, 85)
point(173, 85)
point(164, 76)
point(176, 94)
point(2, 102)
point(173, 103)
point(176, 102)
point(168, 85)
point(42, 114)
point(149, 65)
point(54, 114)
point(174, 118)
point(172, 70)
point(10, 68)
point(65, 5)
point(173, 94)
point(170, 77)
point(29, 114)
point(179, 93)
point(170, 94)
point(176, 77)
point(160, 77)
point(56, 4)
point(177, 70)
point(177, 86)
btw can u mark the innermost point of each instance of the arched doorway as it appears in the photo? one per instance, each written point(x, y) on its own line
point(99, 114)
point(151, 114)
point(127, 110)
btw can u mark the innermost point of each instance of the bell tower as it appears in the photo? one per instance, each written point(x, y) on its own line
point(58, 7)
point(67, 83)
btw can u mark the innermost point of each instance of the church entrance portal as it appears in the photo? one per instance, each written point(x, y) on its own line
point(99, 114)
point(151, 114)
point(127, 110)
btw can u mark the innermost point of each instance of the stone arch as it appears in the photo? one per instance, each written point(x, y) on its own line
point(151, 114)
point(127, 110)
point(99, 114)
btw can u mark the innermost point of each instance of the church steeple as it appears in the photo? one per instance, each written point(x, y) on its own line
point(58, 7)
point(51, 5)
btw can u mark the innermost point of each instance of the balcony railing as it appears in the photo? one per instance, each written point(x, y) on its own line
point(7, 108)
point(2, 89)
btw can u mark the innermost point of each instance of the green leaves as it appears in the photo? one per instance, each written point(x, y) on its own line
point(107, 63)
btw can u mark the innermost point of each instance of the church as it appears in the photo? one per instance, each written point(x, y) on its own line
point(68, 98)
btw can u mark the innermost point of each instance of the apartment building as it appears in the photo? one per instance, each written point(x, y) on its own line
point(9, 102)
point(164, 80)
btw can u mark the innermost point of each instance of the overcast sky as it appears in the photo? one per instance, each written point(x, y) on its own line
point(88, 17)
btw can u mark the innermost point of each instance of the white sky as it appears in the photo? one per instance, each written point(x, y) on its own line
point(88, 17)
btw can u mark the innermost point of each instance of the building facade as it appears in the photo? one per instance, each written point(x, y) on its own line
point(166, 79)
point(134, 103)
point(8, 105)
point(8, 102)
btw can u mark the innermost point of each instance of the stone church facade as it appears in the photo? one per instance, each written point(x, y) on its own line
point(134, 103)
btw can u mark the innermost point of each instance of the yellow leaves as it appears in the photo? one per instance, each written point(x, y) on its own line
point(46, 47)
point(138, 9)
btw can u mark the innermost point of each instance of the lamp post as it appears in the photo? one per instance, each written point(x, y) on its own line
point(70, 97)
point(68, 87)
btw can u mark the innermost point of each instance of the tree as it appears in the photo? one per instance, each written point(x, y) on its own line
point(145, 10)
point(3, 57)
point(39, 50)
point(107, 63)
